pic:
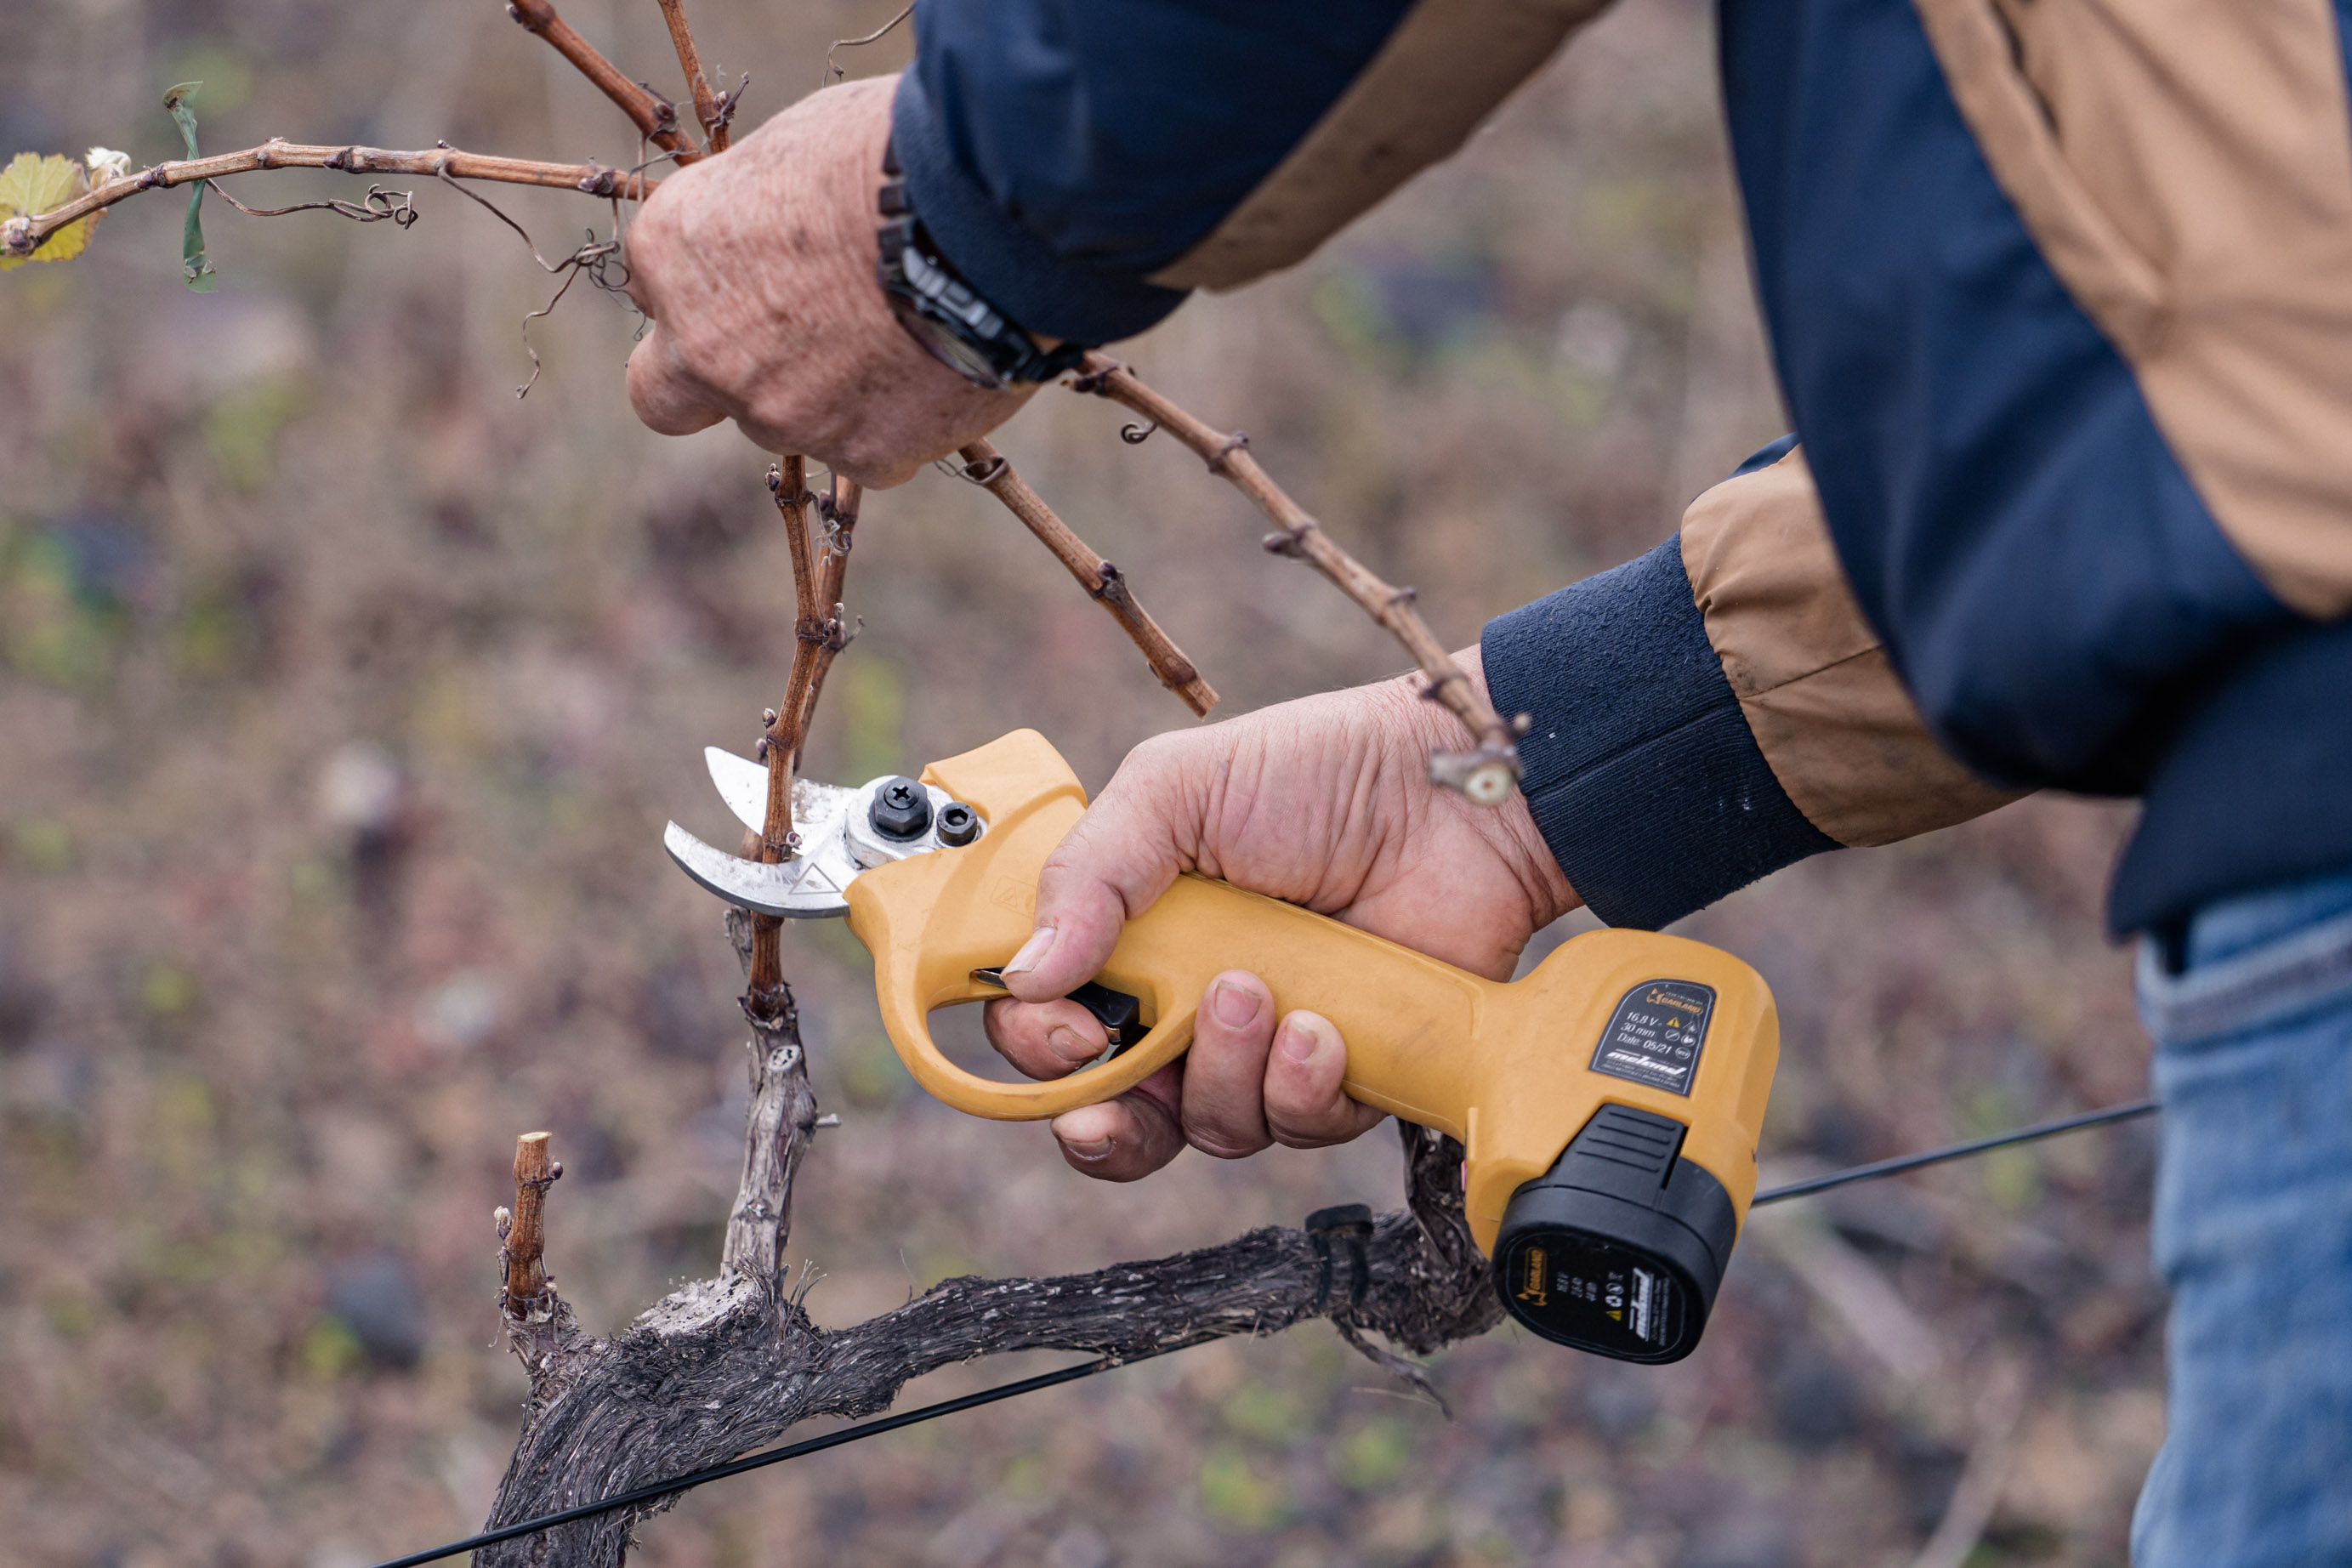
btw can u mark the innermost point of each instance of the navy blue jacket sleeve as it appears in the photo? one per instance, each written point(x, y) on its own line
point(1060, 153)
point(1638, 766)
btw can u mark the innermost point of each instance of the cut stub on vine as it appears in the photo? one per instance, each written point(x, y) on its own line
point(32, 184)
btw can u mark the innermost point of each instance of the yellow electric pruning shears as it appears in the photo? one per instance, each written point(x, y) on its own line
point(1610, 1102)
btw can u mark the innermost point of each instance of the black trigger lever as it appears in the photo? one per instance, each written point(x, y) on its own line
point(1120, 1015)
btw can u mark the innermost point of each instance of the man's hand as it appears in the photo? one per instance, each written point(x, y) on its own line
point(757, 266)
point(1324, 802)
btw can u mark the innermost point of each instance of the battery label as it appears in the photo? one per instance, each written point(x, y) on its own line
point(1655, 1034)
point(1584, 1290)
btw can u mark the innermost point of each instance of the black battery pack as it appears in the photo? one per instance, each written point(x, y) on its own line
point(1620, 1248)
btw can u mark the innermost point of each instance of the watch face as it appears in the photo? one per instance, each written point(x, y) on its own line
point(949, 350)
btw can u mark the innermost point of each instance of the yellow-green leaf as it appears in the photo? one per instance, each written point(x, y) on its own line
point(32, 184)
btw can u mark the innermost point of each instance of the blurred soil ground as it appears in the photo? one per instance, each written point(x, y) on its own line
point(344, 697)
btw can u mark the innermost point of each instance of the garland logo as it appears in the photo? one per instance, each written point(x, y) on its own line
point(1531, 1287)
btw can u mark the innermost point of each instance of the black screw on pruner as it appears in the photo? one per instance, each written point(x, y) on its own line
point(902, 809)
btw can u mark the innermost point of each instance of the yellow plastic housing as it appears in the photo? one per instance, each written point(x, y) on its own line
point(1506, 1069)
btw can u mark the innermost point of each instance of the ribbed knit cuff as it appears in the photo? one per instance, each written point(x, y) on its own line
point(1639, 765)
point(1012, 269)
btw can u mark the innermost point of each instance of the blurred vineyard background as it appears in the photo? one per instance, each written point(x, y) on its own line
point(343, 697)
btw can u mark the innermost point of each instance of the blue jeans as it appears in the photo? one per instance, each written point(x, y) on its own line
point(2253, 1235)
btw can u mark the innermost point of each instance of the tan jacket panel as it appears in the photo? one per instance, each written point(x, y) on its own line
point(1834, 724)
point(1448, 63)
point(2186, 167)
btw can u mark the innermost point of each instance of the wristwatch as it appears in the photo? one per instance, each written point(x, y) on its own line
point(947, 315)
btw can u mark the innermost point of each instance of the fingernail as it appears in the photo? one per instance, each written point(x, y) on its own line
point(1033, 951)
point(1297, 1042)
point(1092, 1149)
point(1234, 1004)
point(1065, 1043)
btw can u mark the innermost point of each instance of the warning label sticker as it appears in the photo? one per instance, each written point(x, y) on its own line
point(1655, 1034)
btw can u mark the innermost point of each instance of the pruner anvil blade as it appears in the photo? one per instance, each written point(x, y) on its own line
point(837, 834)
point(799, 888)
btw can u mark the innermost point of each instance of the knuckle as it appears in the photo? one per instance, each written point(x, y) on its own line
point(1289, 1124)
point(1067, 856)
point(1162, 753)
point(1298, 1134)
point(692, 358)
point(1312, 1120)
point(1218, 1138)
point(1070, 1046)
point(1221, 1148)
point(782, 408)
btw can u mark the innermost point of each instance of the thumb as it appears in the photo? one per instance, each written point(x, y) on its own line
point(664, 396)
point(1121, 856)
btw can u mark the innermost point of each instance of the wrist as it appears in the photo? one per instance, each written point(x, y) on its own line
point(1017, 268)
point(1419, 727)
point(943, 312)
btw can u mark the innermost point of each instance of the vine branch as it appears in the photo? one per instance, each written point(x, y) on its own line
point(834, 628)
point(710, 111)
point(523, 1237)
point(726, 1365)
point(23, 236)
point(781, 741)
point(777, 1132)
point(1486, 775)
point(819, 633)
point(768, 1000)
point(654, 116)
point(1103, 581)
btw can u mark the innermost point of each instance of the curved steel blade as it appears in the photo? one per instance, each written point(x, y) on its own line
point(811, 887)
point(743, 786)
